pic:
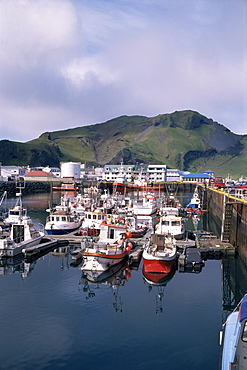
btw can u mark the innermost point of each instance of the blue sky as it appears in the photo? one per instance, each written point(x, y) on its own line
point(70, 63)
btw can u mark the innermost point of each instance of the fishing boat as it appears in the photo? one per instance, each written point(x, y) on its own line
point(194, 206)
point(110, 249)
point(91, 222)
point(170, 206)
point(145, 206)
point(100, 256)
point(22, 234)
point(159, 254)
point(62, 220)
point(173, 225)
point(234, 338)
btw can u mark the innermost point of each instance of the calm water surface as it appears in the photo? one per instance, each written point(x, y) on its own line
point(52, 318)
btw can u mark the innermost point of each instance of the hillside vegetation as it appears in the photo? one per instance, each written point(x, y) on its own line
point(185, 140)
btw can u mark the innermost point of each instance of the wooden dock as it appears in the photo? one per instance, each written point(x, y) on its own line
point(215, 245)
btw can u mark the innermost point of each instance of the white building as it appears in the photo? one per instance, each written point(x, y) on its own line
point(151, 173)
point(12, 172)
point(173, 175)
point(127, 171)
point(156, 173)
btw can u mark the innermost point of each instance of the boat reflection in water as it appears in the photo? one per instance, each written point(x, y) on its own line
point(159, 281)
point(16, 264)
point(112, 278)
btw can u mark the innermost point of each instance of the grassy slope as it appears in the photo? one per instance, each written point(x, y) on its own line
point(179, 140)
point(224, 164)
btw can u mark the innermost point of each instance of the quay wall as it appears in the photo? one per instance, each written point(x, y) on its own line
point(214, 203)
point(30, 187)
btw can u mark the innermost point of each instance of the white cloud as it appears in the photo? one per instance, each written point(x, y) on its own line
point(66, 63)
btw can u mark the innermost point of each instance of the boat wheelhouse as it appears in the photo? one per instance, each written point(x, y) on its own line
point(173, 225)
point(92, 221)
point(146, 205)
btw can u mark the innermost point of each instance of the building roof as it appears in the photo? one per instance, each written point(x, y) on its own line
point(11, 167)
point(37, 173)
point(197, 175)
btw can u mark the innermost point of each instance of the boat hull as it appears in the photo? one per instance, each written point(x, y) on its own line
point(100, 261)
point(234, 350)
point(156, 278)
point(15, 249)
point(60, 231)
point(157, 265)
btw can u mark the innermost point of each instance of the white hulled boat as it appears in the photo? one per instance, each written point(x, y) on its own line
point(170, 206)
point(195, 203)
point(145, 206)
point(23, 233)
point(62, 220)
point(234, 340)
point(110, 249)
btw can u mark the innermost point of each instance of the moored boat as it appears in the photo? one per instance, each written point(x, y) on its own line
point(159, 254)
point(100, 256)
point(111, 248)
point(62, 220)
point(145, 206)
point(194, 206)
point(234, 339)
point(170, 206)
point(22, 234)
point(91, 222)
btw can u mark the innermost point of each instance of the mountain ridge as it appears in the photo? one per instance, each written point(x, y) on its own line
point(185, 140)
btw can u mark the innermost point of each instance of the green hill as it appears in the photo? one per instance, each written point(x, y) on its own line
point(186, 140)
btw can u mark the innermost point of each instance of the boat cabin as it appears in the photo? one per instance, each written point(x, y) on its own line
point(96, 217)
point(60, 218)
point(15, 214)
point(112, 232)
point(173, 225)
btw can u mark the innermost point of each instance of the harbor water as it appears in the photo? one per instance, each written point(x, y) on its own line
point(52, 317)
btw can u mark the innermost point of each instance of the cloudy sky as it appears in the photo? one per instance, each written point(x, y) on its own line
point(69, 63)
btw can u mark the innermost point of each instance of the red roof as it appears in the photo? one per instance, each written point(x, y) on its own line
point(38, 173)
